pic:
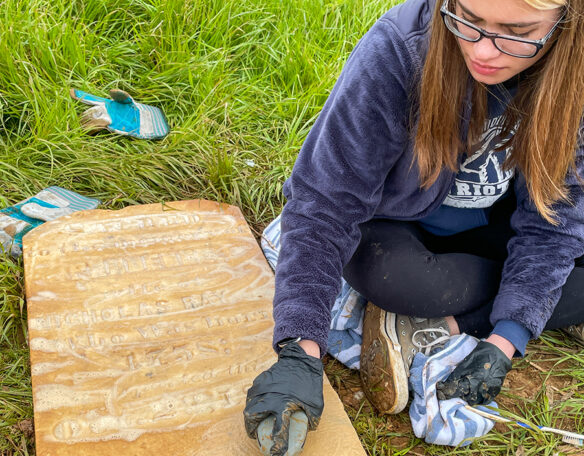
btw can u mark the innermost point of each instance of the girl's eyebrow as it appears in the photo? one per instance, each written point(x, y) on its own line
point(506, 24)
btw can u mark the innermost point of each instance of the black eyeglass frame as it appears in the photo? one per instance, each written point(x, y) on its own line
point(539, 44)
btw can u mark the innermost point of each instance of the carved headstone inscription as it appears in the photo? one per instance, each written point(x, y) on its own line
point(146, 327)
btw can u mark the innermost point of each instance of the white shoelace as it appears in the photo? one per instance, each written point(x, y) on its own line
point(428, 346)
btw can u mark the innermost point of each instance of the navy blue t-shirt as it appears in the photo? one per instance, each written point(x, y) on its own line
point(480, 182)
point(481, 179)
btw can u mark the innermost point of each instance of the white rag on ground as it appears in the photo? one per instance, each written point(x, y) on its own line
point(438, 422)
point(446, 422)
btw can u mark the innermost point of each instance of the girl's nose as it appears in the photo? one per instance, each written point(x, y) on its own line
point(485, 50)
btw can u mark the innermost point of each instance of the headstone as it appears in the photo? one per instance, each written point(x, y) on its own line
point(147, 326)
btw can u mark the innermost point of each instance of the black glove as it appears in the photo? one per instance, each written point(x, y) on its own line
point(293, 383)
point(478, 378)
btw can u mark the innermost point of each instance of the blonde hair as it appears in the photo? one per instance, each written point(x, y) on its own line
point(546, 5)
point(546, 112)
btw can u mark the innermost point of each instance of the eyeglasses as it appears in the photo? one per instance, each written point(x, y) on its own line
point(510, 45)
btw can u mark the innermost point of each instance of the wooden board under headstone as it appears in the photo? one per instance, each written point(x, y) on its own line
point(147, 326)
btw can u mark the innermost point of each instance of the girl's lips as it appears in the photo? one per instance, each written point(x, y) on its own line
point(484, 69)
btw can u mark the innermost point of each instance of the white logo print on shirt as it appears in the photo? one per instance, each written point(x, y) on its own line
point(481, 179)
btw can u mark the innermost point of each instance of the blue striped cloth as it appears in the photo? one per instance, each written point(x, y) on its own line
point(60, 197)
point(345, 335)
point(445, 422)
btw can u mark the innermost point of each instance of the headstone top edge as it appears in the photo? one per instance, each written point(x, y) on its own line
point(144, 209)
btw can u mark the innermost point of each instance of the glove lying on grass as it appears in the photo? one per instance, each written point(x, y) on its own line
point(121, 115)
point(48, 204)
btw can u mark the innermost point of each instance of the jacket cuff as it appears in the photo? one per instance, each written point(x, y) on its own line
point(294, 321)
point(515, 333)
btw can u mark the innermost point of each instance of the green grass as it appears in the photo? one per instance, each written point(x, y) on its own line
point(241, 83)
point(238, 81)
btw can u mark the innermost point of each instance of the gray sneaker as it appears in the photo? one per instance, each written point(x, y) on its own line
point(390, 342)
point(576, 331)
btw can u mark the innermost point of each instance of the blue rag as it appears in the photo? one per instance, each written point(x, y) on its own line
point(445, 422)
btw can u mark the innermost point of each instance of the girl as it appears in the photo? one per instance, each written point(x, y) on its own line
point(442, 180)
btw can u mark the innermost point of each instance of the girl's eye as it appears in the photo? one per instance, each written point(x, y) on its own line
point(520, 35)
point(468, 19)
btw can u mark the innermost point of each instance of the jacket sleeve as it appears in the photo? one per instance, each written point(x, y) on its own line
point(337, 181)
point(541, 255)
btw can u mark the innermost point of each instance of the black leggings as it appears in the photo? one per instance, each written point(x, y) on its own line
point(402, 268)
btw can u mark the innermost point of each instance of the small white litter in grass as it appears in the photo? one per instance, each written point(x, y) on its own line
point(250, 163)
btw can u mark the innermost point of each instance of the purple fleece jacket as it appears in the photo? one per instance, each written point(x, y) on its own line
point(356, 164)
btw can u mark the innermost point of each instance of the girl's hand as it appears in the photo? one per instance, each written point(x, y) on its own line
point(479, 377)
point(293, 383)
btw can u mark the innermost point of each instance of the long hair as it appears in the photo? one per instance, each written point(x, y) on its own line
point(546, 112)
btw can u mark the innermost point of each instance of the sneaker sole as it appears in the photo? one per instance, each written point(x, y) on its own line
point(383, 374)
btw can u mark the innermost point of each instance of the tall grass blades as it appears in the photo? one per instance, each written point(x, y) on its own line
point(241, 83)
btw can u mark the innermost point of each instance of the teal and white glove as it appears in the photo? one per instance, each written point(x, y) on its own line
point(49, 204)
point(121, 115)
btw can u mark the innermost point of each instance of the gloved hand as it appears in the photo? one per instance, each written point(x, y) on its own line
point(293, 383)
point(478, 378)
point(48, 204)
point(121, 115)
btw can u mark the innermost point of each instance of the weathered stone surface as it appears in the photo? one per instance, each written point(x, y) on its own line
point(147, 326)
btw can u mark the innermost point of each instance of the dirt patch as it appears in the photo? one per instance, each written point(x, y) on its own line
point(531, 379)
point(26, 427)
point(393, 430)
